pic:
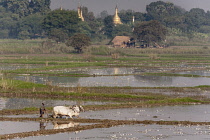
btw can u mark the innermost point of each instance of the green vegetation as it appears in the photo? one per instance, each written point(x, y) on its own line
point(34, 19)
point(13, 84)
point(150, 32)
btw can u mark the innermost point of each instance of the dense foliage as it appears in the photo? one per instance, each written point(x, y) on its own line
point(28, 19)
point(150, 32)
point(61, 21)
point(21, 18)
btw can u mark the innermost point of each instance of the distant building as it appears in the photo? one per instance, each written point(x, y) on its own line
point(120, 41)
point(116, 18)
point(123, 42)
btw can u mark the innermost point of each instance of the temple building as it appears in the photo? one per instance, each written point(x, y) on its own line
point(116, 18)
point(80, 13)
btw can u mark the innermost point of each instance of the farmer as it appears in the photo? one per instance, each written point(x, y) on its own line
point(42, 110)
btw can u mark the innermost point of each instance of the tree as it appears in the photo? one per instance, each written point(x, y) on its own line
point(19, 7)
point(103, 14)
point(126, 16)
point(150, 31)
point(161, 10)
point(108, 26)
point(58, 35)
point(195, 18)
point(39, 6)
point(78, 42)
point(139, 16)
point(32, 24)
point(64, 20)
point(122, 30)
point(84, 28)
point(88, 16)
point(23, 35)
point(26, 7)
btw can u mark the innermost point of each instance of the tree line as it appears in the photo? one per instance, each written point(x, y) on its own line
point(29, 19)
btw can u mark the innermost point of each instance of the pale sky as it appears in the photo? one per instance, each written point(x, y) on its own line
point(98, 6)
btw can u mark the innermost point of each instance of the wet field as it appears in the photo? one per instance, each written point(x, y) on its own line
point(19, 103)
point(106, 77)
point(115, 77)
point(135, 132)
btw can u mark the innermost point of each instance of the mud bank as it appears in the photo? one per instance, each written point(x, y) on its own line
point(97, 124)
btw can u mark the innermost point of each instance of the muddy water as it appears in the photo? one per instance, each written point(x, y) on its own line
point(15, 127)
point(19, 103)
point(195, 113)
point(97, 71)
point(134, 132)
point(200, 72)
point(119, 81)
point(8, 127)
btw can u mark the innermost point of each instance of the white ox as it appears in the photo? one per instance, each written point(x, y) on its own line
point(67, 111)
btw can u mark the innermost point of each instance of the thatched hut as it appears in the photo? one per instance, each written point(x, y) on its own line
point(120, 41)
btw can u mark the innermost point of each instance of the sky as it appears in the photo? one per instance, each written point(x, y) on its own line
point(97, 6)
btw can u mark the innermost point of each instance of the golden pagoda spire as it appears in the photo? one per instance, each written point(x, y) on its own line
point(116, 18)
point(80, 13)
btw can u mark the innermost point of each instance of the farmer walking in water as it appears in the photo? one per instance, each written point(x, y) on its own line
point(42, 110)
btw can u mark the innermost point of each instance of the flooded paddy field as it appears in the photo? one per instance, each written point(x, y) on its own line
point(194, 113)
point(161, 122)
point(119, 81)
point(19, 103)
point(178, 122)
point(200, 72)
point(10, 127)
point(120, 77)
point(134, 132)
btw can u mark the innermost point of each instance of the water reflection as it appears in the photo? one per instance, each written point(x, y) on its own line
point(9, 127)
point(19, 103)
point(97, 71)
point(119, 81)
point(109, 71)
point(137, 80)
point(58, 125)
point(194, 113)
point(134, 132)
point(200, 72)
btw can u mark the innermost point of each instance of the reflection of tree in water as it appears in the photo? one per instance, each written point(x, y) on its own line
point(156, 80)
point(111, 71)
